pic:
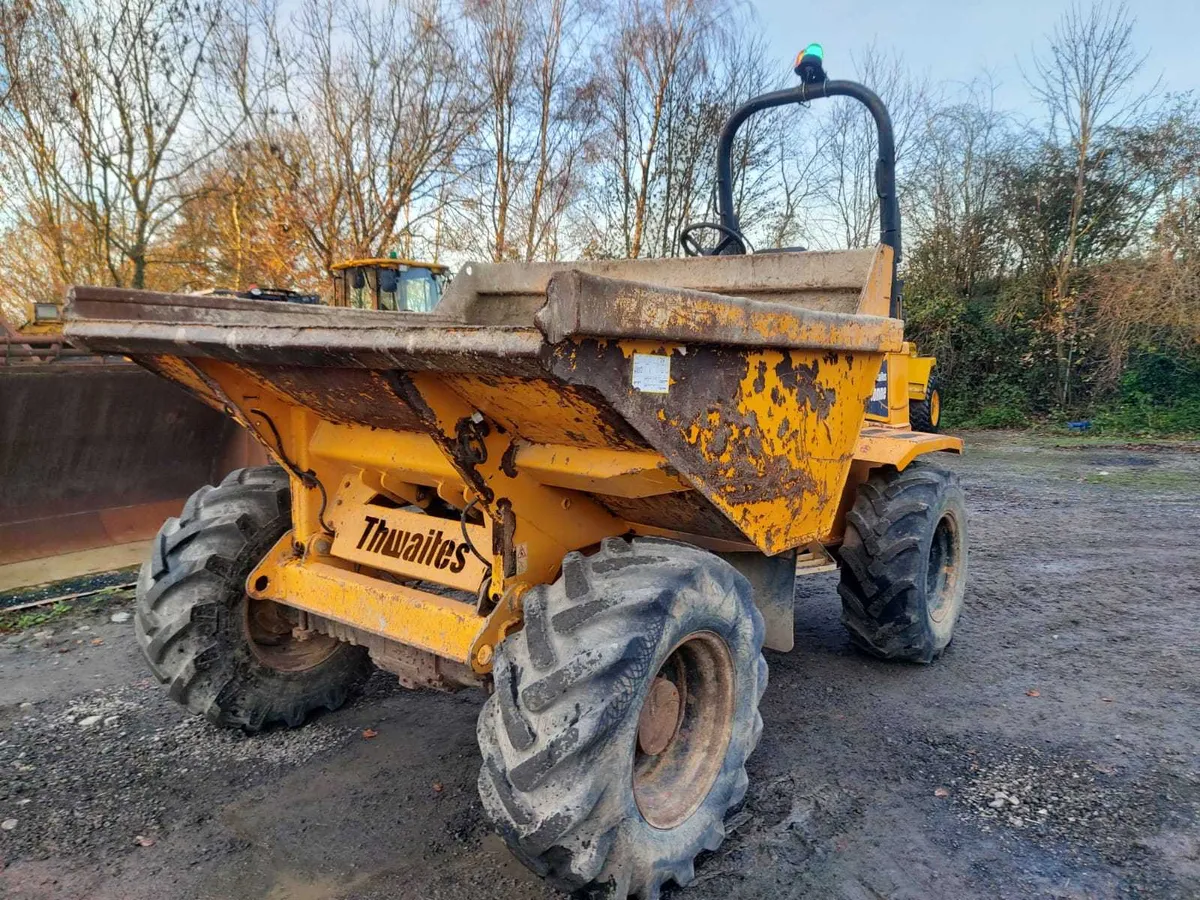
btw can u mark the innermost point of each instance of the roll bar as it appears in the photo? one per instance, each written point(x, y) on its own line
point(885, 165)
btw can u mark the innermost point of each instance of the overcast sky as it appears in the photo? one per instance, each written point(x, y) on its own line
point(955, 40)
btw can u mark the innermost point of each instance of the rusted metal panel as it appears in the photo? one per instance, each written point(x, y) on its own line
point(687, 512)
point(451, 349)
point(414, 668)
point(91, 301)
point(184, 374)
point(141, 323)
point(340, 395)
point(71, 532)
point(620, 473)
point(592, 306)
point(765, 436)
point(17, 349)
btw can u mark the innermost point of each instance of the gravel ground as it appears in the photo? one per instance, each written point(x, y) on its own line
point(1054, 752)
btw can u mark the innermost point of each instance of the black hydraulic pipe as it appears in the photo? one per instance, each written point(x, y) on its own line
point(885, 165)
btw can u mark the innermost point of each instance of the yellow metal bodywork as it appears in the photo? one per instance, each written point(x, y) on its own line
point(322, 585)
point(410, 544)
point(920, 370)
point(781, 460)
point(893, 447)
point(908, 379)
point(546, 522)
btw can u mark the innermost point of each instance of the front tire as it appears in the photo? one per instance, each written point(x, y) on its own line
point(225, 656)
point(616, 740)
point(904, 562)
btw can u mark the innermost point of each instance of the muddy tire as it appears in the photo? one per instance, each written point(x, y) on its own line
point(904, 562)
point(594, 786)
point(224, 656)
point(926, 414)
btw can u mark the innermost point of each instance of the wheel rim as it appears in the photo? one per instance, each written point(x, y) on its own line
point(277, 641)
point(944, 568)
point(935, 407)
point(684, 729)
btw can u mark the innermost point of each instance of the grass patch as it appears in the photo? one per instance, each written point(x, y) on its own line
point(13, 621)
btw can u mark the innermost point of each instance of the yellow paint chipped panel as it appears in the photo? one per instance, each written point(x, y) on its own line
point(766, 436)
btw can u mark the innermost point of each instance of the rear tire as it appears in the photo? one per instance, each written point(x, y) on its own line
point(926, 414)
point(593, 786)
point(904, 562)
point(224, 656)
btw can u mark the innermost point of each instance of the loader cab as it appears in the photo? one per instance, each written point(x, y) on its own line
point(390, 284)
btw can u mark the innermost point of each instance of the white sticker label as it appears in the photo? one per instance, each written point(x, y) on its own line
point(651, 373)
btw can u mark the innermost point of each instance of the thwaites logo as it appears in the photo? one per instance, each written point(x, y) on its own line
point(432, 549)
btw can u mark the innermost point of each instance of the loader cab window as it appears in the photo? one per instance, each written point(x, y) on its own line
point(420, 290)
point(361, 288)
point(389, 290)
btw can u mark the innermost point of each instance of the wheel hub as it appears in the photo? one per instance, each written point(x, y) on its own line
point(943, 568)
point(278, 640)
point(684, 729)
point(659, 720)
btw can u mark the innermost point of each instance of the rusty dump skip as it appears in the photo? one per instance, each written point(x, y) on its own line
point(712, 398)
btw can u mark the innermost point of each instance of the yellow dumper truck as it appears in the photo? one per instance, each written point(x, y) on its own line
point(586, 487)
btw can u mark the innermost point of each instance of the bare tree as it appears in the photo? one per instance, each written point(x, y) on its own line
point(1082, 79)
point(644, 55)
point(498, 42)
point(105, 120)
point(564, 98)
point(851, 144)
point(953, 204)
point(365, 110)
point(536, 104)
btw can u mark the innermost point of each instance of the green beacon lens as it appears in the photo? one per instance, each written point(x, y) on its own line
point(814, 50)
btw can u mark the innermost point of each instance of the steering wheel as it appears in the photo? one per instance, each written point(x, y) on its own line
point(732, 244)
